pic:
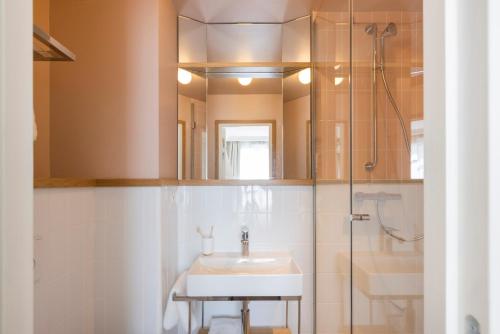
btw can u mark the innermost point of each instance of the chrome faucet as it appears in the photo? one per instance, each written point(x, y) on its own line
point(244, 242)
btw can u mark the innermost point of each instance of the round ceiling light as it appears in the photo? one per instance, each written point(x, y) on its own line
point(245, 81)
point(305, 76)
point(184, 77)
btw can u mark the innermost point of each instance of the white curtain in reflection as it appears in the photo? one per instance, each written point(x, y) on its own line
point(254, 160)
point(247, 160)
point(231, 160)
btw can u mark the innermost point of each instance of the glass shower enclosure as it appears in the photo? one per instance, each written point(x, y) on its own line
point(369, 130)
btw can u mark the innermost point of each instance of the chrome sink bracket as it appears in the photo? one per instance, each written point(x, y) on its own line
point(246, 299)
point(286, 321)
point(298, 316)
point(202, 314)
point(189, 321)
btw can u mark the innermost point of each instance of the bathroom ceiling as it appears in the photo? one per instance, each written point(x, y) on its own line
point(279, 11)
point(251, 11)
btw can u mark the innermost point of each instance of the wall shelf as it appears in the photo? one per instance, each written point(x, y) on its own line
point(254, 68)
point(47, 48)
point(160, 182)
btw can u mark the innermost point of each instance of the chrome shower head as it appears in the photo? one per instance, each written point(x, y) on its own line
point(390, 30)
point(371, 29)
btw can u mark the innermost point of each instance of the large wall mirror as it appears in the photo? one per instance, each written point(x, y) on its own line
point(251, 127)
point(244, 105)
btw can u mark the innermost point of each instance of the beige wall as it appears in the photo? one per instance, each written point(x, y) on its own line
point(296, 40)
point(403, 52)
point(200, 120)
point(244, 107)
point(192, 41)
point(108, 117)
point(41, 96)
point(168, 90)
point(296, 118)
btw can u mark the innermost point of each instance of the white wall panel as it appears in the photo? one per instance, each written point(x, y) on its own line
point(279, 218)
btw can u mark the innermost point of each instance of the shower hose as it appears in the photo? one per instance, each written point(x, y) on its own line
point(390, 231)
point(387, 230)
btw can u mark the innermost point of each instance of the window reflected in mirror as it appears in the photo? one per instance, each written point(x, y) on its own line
point(245, 150)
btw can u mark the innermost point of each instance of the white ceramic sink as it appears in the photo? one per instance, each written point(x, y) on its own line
point(386, 274)
point(230, 274)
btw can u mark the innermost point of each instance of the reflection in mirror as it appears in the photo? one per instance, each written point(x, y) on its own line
point(297, 125)
point(191, 116)
point(259, 102)
point(181, 148)
point(245, 126)
point(245, 150)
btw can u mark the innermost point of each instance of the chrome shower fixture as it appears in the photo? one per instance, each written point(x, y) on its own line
point(390, 30)
point(371, 29)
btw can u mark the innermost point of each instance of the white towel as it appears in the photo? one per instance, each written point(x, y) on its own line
point(35, 130)
point(225, 325)
point(178, 311)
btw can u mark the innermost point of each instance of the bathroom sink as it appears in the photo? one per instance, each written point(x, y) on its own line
point(230, 274)
point(386, 274)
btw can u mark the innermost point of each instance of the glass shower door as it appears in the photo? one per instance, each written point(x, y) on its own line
point(331, 128)
point(387, 168)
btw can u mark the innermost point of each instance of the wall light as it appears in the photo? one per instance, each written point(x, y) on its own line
point(184, 77)
point(245, 81)
point(305, 76)
point(338, 80)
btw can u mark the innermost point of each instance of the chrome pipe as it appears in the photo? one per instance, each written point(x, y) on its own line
point(390, 30)
point(372, 30)
point(245, 243)
point(245, 317)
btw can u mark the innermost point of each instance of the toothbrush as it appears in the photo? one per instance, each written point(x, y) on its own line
point(200, 232)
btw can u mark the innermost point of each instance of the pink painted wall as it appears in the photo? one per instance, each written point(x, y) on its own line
point(296, 118)
point(168, 90)
point(105, 107)
point(41, 97)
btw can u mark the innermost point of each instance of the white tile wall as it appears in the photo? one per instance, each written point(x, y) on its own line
point(98, 260)
point(64, 255)
point(279, 218)
point(128, 286)
point(108, 256)
point(333, 237)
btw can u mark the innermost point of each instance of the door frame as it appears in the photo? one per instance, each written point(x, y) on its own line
point(272, 122)
point(16, 166)
point(462, 178)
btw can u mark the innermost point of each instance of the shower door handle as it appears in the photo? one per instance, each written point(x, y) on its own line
point(360, 217)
